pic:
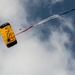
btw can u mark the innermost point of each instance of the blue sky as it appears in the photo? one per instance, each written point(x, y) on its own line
point(47, 49)
point(44, 9)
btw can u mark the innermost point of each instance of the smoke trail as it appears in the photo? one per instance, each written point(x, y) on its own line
point(47, 19)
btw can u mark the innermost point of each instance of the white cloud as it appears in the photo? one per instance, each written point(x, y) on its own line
point(13, 12)
point(56, 1)
point(50, 3)
point(32, 56)
point(68, 22)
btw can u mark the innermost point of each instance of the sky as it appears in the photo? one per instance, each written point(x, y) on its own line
point(47, 49)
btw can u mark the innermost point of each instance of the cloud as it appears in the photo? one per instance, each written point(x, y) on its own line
point(46, 2)
point(68, 22)
point(13, 12)
point(51, 3)
point(56, 1)
point(32, 56)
